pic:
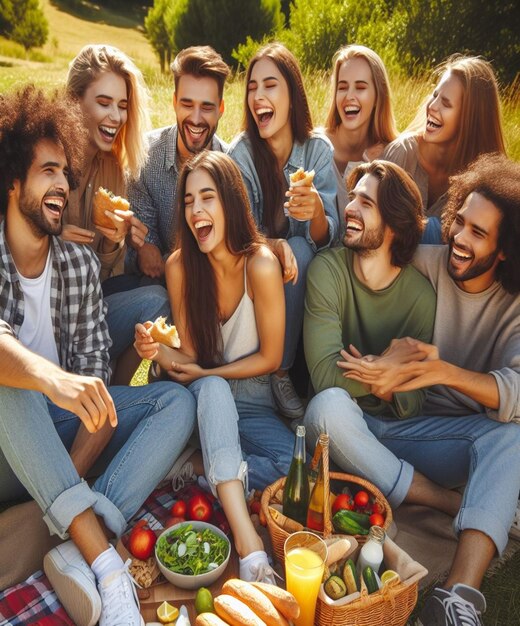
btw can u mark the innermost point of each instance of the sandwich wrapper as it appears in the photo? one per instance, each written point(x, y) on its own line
point(298, 183)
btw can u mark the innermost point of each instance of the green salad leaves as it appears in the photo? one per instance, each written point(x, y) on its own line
point(187, 551)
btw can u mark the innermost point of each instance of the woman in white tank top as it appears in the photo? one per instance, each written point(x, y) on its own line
point(227, 298)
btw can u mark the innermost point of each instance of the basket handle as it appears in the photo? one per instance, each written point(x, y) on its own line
point(322, 451)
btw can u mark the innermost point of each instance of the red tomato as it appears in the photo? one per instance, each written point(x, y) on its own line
point(142, 541)
point(361, 499)
point(255, 507)
point(377, 507)
point(179, 509)
point(342, 502)
point(200, 509)
point(377, 520)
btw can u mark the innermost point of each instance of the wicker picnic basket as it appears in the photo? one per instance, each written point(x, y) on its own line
point(389, 607)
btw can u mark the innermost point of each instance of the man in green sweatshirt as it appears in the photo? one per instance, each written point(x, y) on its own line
point(468, 432)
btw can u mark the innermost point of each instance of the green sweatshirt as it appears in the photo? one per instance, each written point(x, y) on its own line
point(340, 310)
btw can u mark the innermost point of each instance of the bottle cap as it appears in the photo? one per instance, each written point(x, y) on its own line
point(300, 430)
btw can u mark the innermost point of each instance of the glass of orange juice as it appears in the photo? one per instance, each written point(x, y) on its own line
point(305, 556)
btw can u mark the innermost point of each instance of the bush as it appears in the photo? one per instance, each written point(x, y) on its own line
point(23, 21)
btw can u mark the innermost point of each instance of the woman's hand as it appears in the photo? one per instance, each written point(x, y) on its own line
point(186, 373)
point(77, 234)
point(145, 346)
point(285, 255)
point(137, 232)
point(121, 220)
point(304, 203)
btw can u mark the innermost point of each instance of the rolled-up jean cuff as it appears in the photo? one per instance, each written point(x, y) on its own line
point(69, 504)
point(402, 485)
point(484, 521)
point(111, 515)
point(214, 479)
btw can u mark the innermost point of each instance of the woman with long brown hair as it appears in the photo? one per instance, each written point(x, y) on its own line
point(226, 293)
point(297, 220)
point(460, 121)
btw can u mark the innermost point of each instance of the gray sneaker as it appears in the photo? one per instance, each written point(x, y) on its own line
point(462, 606)
point(74, 583)
point(286, 398)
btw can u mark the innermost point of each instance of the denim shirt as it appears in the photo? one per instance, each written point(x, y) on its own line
point(315, 154)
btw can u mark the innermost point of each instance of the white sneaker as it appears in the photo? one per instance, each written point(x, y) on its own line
point(182, 470)
point(74, 583)
point(120, 606)
point(286, 398)
point(255, 568)
point(514, 531)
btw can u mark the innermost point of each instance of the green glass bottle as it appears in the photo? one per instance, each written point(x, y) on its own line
point(296, 490)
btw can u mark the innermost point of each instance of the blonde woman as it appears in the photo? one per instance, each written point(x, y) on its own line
point(114, 100)
point(360, 122)
point(460, 120)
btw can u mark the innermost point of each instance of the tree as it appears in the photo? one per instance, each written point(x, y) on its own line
point(157, 31)
point(23, 21)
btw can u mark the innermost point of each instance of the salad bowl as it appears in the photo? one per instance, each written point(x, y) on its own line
point(192, 554)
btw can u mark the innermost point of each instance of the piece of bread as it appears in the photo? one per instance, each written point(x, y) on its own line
point(235, 612)
point(164, 333)
point(209, 619)
point(301, 178)
point(105, 200)
point(284, 601)
point(255, 600)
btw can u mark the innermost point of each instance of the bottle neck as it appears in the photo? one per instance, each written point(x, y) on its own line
point(299, 445)
point(377, 534)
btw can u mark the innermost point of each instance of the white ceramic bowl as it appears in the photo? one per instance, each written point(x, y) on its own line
point(187, 581)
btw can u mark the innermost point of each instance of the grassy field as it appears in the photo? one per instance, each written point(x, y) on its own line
point(68, 33)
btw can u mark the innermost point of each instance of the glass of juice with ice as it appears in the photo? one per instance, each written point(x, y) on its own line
point(305, 556)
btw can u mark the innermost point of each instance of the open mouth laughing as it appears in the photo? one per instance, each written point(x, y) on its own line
point(203, 229)
point(264, 115)
point(432, 123)
point(108, 133)
point(54, 204)
point(196, 132)
point(351, 111)
point(354, 225)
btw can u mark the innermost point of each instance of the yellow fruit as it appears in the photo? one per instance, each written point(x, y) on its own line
point(389, 575)
point(204, 601)
point(167, 613)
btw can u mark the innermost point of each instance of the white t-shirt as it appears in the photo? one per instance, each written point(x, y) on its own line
point(37, 331)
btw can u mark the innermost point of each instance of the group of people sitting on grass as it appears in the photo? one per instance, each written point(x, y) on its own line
point(413, 351)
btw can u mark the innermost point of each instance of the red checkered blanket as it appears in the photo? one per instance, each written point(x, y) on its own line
point(34, 601)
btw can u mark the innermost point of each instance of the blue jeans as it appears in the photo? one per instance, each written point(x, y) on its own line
point(470, 450)
point(295, 298)
point(127, 308)
point(154, 424)
point(236, 418)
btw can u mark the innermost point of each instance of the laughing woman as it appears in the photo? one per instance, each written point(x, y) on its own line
point(360, 122)
point(460, 120)
point(298, 221)
point(113, 98)
point(226, 293)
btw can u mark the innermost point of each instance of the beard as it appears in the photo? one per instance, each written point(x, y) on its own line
point(370, 240)
point(476, 269)
point(195, 149)
point(32, 210)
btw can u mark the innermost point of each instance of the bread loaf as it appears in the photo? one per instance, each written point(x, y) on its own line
point(164, 333)
point(209, 619)
point(255, 600)
point(284, 601)
point(235, 612)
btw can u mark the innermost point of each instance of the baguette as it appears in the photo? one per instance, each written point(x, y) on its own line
point(235, 612)
point(164, 333)
point(257, 601)
point(209, 619)
point(105, 200)
point(284, 601)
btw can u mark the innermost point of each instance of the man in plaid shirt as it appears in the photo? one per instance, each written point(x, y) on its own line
point(59, 422)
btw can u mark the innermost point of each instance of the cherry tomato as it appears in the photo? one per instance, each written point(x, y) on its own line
point(377, 520)
point(178, 509)
point(361, 499)
point(343, 501)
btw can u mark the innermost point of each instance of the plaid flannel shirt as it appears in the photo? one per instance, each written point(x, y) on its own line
point(77, 307)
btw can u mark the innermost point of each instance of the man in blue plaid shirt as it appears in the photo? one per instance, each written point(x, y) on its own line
point(59, 421)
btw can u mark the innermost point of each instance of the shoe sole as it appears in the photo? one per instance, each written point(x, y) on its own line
point(83, 607)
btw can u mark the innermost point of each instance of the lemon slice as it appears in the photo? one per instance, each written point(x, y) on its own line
point(167, 613)
point(389, 575)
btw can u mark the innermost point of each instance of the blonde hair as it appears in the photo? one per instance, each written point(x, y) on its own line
point(382, 127)
point(130, 146)
point(480, 128)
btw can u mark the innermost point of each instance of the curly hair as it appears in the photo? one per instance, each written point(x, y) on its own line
point(496, 178)
point(27, 116)
point(400, 205)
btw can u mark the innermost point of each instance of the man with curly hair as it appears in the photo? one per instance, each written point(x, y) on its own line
point(469, 432)
point(58, 418)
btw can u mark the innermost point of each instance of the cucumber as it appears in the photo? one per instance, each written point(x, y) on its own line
point(344, 523)
point(370, 579)
point(350, 576)
point(361, 518)
point(335, 588)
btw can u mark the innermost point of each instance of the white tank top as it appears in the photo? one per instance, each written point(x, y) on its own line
point(239, 333)
point(37, 331)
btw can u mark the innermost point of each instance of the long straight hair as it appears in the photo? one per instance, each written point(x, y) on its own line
point(241, 237)
point(130, 146)
point(267, 168)
point(480, 125)
point(382, 127)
